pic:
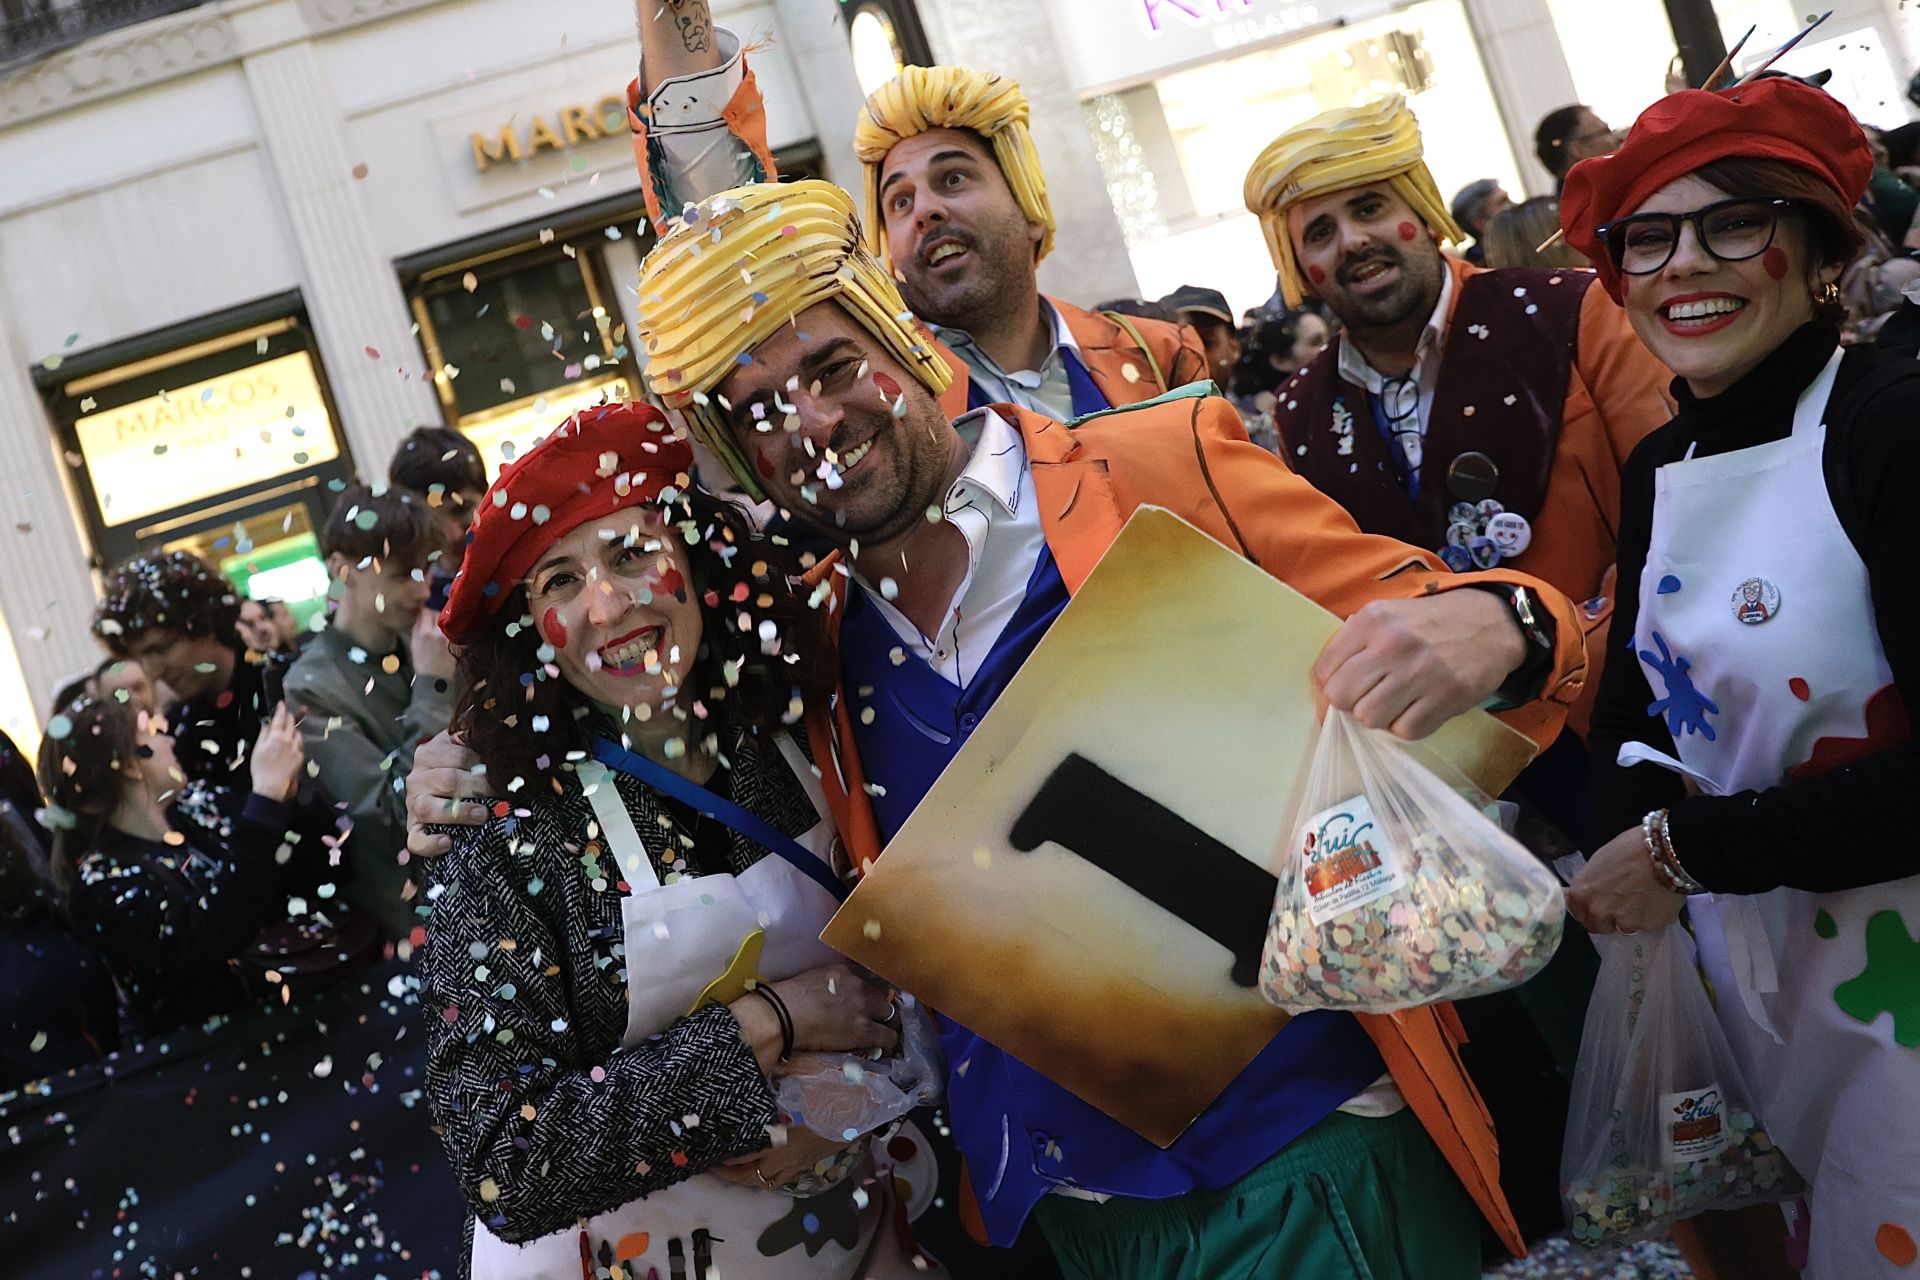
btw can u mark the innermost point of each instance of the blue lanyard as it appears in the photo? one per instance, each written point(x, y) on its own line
point(1409, 475)
point(752, 826)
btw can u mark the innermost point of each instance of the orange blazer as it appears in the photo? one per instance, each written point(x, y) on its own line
point(1171, 357)
point(1191, 457)
point(1616, 396)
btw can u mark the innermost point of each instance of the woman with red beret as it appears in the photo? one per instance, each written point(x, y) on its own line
point(618, 962)
point(1767, 544)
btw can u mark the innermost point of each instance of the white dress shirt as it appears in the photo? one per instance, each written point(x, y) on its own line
point(683, 116)
point(1425, 373)
point(993, 507)
point(1047, 390)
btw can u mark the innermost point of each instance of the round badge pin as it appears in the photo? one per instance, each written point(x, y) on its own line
point(1511, 532)
point(1458, 559)
point(1472, 476)
point(1461, 532)
point(1461, 511)
point(1485, 552)
point(1756, 601)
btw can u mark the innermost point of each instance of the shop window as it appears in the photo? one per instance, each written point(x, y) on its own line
point(885, 36)
point(218, 438)
point(520, 340)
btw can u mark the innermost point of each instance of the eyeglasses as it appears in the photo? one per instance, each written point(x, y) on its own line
point(1730, 230)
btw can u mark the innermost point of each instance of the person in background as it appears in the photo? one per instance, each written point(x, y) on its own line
point(377, 682)
point(1568, 135)
point(174, 614)
point(1766, 549)
point(1272, 351)
point(168, 893)
point(446, 469)
point(58, 1010)
point(256, 627)
point(1206, 310)
point(126, 681)
point(1476, 206)
point(1516, 234)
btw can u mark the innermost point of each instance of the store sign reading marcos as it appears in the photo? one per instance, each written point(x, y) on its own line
point(193, 442)
point(518, 140)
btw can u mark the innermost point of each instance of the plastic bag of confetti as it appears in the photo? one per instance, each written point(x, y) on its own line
point(1661, 1125)
point(1398, 889)
point(843, 1095)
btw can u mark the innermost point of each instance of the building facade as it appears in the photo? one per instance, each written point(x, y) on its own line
point(246, 246)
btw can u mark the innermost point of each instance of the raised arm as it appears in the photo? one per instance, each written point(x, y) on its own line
point(695, 110)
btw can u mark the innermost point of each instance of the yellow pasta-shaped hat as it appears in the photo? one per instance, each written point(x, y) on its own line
point(1335, 150)
point(737, 268)
point(923, 98)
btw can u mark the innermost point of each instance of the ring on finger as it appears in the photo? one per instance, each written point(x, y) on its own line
point(893, 1014)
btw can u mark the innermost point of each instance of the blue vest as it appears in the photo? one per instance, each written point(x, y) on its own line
point(1021, 1133)
point(1087, 398)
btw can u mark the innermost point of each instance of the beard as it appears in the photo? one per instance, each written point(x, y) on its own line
point(1413, 294)
point(890, 490)
point(999, 268)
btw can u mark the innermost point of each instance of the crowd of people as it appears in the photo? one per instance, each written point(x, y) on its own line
point(600, 744)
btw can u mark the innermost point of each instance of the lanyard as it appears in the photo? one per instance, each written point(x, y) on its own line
point(705, 802)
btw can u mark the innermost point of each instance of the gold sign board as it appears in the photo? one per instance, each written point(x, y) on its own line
point(1087, 884)
point(506, 432)
point(193, 442)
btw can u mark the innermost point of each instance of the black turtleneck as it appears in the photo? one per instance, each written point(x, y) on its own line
point(1789, 834)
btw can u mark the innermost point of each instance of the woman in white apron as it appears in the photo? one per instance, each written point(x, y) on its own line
point(619, 962)
point(1752, 720)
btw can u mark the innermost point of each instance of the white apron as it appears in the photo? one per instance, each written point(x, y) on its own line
point(680, 938)
point(1786, 661)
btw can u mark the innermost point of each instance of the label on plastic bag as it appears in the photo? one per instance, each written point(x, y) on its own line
point(1696, 1125)
point(1348, 862)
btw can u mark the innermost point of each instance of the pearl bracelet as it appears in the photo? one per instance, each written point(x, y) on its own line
point(1655, 830)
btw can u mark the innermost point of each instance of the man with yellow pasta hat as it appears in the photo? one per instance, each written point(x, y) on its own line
point(956, 210)
point(774, 331)
point(1483, 415)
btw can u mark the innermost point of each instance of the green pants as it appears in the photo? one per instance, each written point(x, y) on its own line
point(1350, 1199)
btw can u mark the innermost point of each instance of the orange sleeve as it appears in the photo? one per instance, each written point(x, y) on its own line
point(1307, 540)
point(1628, 386)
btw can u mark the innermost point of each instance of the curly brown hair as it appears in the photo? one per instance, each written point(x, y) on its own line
point(166, 591)
point(509, 689)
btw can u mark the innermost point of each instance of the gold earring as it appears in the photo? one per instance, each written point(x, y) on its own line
point(1828, 295)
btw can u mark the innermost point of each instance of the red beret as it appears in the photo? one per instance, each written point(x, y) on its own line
point(1776, 118)
point(597, 462)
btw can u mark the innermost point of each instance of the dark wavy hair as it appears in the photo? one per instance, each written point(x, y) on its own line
point(166, 591)
point(509, 691)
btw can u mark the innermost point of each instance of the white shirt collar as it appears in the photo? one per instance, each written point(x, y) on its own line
point(1354, 368)
point(962, 343)
point(998, 465)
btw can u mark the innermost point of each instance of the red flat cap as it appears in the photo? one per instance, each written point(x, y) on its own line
point(599, 461)
point(1771, 119)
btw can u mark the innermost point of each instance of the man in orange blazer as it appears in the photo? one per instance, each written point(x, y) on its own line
point(780, 342)
point(956, 207)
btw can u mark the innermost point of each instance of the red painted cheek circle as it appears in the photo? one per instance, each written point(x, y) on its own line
point(762, 464)
point(1317, 275)
point(671, 581)
point(1775, 261)
point(888, 387)
point(1408, 231)
point(553, 629)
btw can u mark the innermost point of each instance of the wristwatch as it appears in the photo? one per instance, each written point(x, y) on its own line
point(1530, 614)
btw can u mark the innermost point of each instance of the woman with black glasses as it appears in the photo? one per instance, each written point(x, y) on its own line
point(1766, 651)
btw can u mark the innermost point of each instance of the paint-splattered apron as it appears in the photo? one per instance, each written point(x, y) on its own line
point(682, 937)
point(1757, 636)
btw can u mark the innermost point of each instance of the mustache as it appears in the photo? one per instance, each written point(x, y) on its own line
point(956, 234)
point(1391, 257)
